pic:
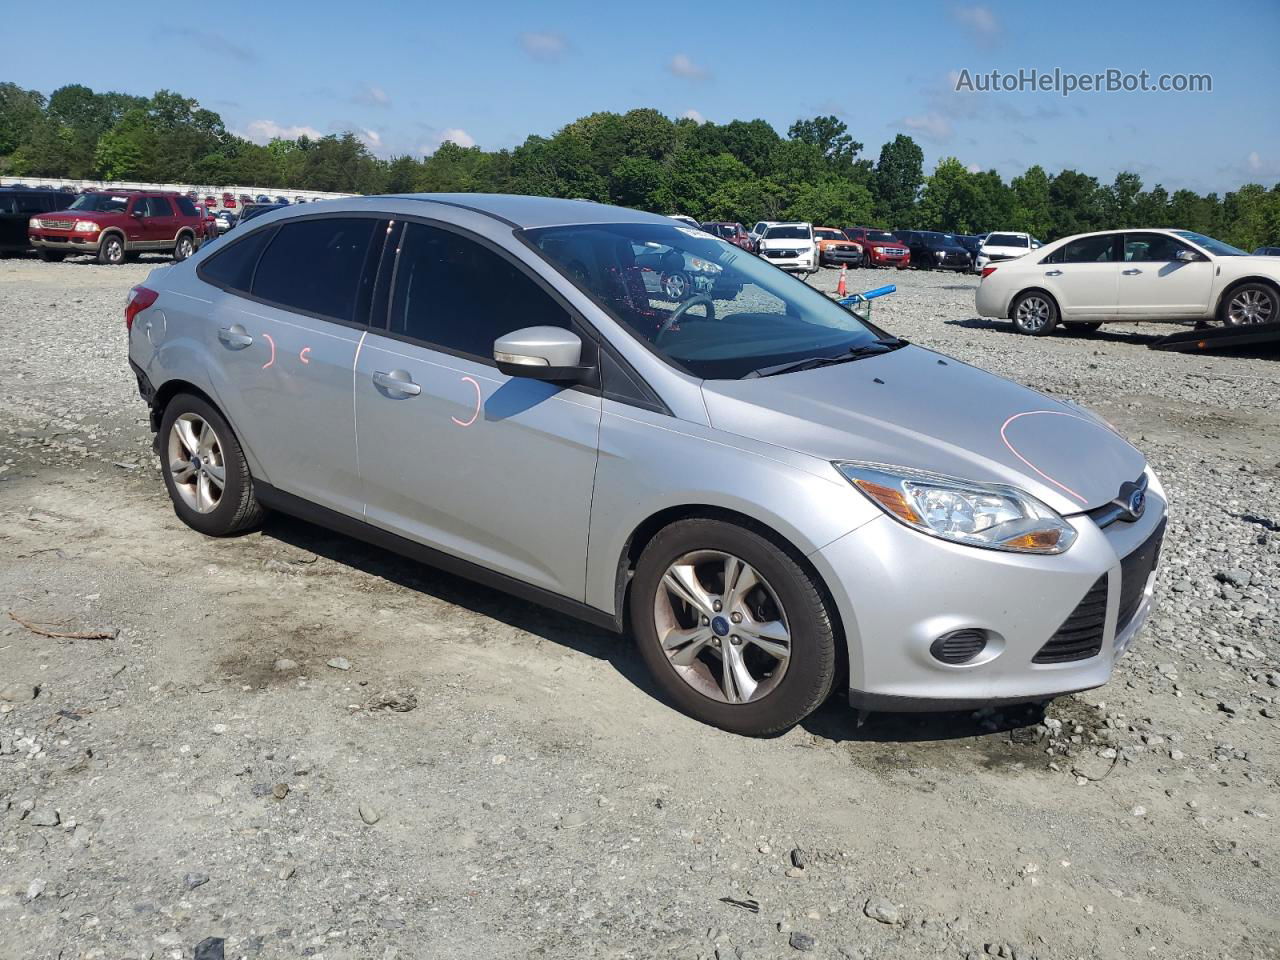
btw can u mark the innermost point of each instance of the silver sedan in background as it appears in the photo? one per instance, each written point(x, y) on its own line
point(771, 495)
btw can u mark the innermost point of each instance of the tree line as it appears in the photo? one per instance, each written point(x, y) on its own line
point(742, 170)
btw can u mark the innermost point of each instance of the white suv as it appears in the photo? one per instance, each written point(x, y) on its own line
point(1004, 246)
point(790, 246)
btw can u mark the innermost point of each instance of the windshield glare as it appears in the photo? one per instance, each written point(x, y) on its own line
point(704, 305)
point(100, 203)
point(1216, 247)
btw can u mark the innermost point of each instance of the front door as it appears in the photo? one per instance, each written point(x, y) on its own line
point(494, 469)
point(1155, 284)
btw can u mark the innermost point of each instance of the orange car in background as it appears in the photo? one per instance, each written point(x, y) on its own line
point(835, 249)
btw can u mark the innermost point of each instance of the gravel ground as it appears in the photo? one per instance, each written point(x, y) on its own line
point(299, 746)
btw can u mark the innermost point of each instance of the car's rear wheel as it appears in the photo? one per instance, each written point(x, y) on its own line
point(736, 633)
point(1034, 313)
point(205, 470)
point(111, 250)
point(50, 256)
point(1249, 303)
point(183, 248)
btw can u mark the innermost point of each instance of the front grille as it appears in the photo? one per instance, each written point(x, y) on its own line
point(1080, 636)
point(56, 224)
point(778, 254)
point(1135, 571)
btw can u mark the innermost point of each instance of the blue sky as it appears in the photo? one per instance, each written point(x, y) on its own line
point(407, 75)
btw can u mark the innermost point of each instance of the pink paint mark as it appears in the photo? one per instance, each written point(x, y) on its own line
point(467, 423)
point(1013, 450)
point(267, 337)
point(303, 355)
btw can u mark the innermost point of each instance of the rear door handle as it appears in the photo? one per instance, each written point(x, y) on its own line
point(1131, 273)
point(234, 336)
point(396, 381)
point(1053, 273)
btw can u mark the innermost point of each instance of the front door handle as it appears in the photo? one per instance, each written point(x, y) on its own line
point(1053, 273)
point(396, 381)
point(234, 336)
point(1131, 273)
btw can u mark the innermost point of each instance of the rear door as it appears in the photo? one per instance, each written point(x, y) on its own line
point(160, 225)
point(1083, 276)
point(454, 454)
point(285, 331)
point(1155, 284)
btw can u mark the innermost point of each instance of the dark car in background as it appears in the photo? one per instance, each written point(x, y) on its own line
point(735, 233)
point(17, 207)
point(972, 244)
point(931, 250)
point(1267, 252)
point(880, 248)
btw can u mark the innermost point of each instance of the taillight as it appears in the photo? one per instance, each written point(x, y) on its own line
point(987, 271)
point(139, 299)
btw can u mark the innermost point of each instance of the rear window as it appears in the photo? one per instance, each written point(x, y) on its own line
point(1007, 240)
point(232, 267)
point(314, 266)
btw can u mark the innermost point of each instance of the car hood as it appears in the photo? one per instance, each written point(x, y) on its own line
point(916, 408)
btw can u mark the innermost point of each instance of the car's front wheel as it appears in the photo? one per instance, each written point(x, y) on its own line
point(111, 250)
point(1034, 313)
point(736, 633)
point(205, 470)
point(1249, 303)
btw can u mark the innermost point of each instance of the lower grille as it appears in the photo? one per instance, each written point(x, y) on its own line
point(1080, 636)
point(958, 646)
point(1135, 570)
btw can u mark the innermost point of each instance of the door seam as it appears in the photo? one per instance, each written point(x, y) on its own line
point(355, 425)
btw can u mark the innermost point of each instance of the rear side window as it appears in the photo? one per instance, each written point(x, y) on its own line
point(156, 207)
point(232, 267)
point(454, 293)
point(186, 207)
point(314, 266)
point(1084, 250)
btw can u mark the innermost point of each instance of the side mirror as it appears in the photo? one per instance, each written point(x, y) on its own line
point(540, 353)
point(137, 212)
point(1186, 256)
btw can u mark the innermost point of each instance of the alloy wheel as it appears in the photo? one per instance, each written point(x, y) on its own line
point(1033, 313)
point(184, 248)
point(722, 627)
point(196, 463)
point(675, 286)
point(1251, 305)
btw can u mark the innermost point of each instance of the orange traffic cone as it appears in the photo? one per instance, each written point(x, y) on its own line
point(842, 288)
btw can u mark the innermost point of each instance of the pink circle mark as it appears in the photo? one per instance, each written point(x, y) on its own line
point(467, 423)
point(1014, 451)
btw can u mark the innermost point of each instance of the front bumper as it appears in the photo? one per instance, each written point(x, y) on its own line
point(886, 260)
point(74, 242)
point(832, 255)
point(898, 590)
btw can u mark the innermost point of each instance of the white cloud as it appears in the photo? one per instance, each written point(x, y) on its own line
point(371, 96)
point(544, 46)
point(453, 135)
point(372, 139)
point(933, 126)
point(682, 65)
point(1255, 162)
point(693, 115)
point(261, 131)
point(974, 168)
point(979, 19)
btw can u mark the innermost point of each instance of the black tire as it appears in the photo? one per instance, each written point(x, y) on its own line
point(1249, 303)
point(1080, 327)
point(237, 509)
point(811, 667)
point(1035, 321)
point(111, 250)
point(50, 256)
point(183, 247)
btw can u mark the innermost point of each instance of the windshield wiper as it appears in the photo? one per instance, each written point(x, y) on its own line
point(872, 349)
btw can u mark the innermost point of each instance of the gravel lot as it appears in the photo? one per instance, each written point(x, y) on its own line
point(307, 747)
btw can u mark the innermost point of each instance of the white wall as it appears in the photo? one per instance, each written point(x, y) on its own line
point(202, 190)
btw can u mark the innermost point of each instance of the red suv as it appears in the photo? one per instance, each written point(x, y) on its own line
point(879, 247)
point(116, 225)
point(735, 233)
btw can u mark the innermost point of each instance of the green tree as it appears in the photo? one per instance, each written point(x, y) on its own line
point(1075, 204)
point(896, 182)
point(20, 111)
point(1032, 211)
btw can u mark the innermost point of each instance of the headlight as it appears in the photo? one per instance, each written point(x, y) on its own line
point(86, 226)
point(939, 254)
point(880, 250)
point(994, 516)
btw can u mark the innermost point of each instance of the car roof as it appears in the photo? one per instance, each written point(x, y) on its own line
point(522, 211)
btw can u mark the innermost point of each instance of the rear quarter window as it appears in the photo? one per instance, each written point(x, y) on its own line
point(232, 267)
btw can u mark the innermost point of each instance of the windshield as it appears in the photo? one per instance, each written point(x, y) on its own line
point(1216, 247)
point(790, 232)
point(1006, 240)
point(829, 235)
point(100, 202)
point(706, 306)
point(881, 236)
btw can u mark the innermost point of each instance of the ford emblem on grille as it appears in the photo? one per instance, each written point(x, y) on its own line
point(1132, 499)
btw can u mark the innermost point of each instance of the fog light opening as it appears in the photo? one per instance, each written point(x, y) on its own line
point(958, 646)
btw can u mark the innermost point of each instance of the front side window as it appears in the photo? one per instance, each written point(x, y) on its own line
point(704, 305)
point(451, 292)
point(1151, 248)
point(315, 266)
